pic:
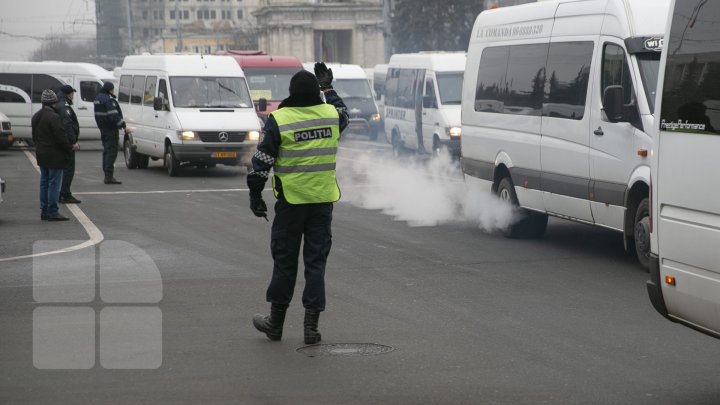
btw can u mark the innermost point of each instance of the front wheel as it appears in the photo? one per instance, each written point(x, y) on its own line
point(398, 149)
point(529, 224)
point(641, 233)
point(172, 165)
point(131, 158)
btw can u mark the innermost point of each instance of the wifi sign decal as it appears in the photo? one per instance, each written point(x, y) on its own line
point(99, 303)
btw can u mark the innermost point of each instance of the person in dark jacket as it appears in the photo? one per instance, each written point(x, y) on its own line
point(109, 119)
point(300, 145)
point(65, 95)
point(51, 150)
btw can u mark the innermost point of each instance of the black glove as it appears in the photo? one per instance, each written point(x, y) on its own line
point(324, 76)
point(258, 207)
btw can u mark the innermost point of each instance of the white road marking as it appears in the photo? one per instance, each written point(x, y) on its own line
point(96, 236)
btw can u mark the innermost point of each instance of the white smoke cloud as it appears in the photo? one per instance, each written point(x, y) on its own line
point(423, 192)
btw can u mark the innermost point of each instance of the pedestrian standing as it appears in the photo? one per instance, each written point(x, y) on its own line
point(65, 95)
point(51, 150)
point(109, 119)
point(300, 145)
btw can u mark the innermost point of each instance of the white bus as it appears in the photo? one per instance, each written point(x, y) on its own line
point(558, 98)
point(422, 101)
point(22, 83)
point(684, 283)
point(187, 110)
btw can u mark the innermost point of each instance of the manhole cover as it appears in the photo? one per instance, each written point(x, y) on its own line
point(345, 349)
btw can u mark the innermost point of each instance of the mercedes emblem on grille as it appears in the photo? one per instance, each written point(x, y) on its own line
point(223, 136)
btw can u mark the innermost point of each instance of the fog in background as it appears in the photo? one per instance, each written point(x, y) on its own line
point(423, 193)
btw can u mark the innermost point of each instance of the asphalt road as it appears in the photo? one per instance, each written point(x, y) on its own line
point(471, 317)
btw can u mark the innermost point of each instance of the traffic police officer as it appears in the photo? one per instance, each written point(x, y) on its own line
point(300, 144)
point(109, 119)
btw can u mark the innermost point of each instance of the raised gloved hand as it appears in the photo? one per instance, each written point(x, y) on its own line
point(324, 76)
point(258, 207)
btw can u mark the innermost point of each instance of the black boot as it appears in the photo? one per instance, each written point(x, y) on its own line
point(312, 335)
point(272, 325)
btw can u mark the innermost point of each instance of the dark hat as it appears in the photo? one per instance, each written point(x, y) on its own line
point(67, 89)
point(48, 97)
point(304, 84)
point(108, 86)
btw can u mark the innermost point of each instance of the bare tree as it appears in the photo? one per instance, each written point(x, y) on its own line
point(61, 49)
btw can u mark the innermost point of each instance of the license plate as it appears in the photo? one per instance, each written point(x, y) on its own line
point(224, 154)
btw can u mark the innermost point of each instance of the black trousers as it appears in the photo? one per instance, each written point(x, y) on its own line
point(109, 137)
point(68, 175)
point(293, 224)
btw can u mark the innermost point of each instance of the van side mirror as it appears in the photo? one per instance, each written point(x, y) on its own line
point(160, 104)
point(429, 102)
point(262, 104)
point(613, 103)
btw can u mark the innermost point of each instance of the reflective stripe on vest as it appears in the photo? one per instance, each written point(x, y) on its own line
point(306, 160)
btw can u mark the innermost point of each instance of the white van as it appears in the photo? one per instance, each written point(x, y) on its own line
point(352, 85)
point(684, 283)
point(22, 83)
point(186, 110)
point(558, 98)
point(422, 101)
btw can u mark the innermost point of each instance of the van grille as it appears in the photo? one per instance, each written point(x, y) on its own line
point(214, 136)
point(6, 126)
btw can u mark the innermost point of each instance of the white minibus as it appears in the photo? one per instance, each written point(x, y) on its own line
point(422, 101)
point(187, 110)
point(22, 83)
point(352, 85)
point(684, 283)
point(558, 100)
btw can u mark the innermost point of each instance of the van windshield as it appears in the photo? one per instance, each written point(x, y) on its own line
point(204, 92)
point(649, 64)
point(352, 88)
point(269, 83)
point(450, 87)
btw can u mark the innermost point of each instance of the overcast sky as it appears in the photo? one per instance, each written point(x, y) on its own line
point(21, 19)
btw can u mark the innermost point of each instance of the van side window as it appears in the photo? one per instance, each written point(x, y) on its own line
point(391, 85)
point(491, 80)
point(568, 74)
point(406, 89)
point(42, 82)
point(615, 71)
point(525, 79)
point(124, 91)
point(149, 93)
point(20, 80)
point(138, 87)
point(88, 90)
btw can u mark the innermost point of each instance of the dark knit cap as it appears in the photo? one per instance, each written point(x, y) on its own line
point(67, 89)
point(48, 97)
point(304, 84)
point(108, 86)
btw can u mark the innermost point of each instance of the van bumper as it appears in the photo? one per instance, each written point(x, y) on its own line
point(653, 287)
point(214, 153)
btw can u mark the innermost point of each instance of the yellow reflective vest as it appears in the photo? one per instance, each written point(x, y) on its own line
point(306, 160)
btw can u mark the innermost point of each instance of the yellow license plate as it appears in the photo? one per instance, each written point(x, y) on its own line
point(224, 154)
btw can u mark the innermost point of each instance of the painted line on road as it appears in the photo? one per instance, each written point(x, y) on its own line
point(216, 190)
point(96, 236)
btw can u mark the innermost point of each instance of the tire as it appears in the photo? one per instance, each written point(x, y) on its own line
point(143, 161)
point(172, 165)
point(529, 224)
point(641, 233)
point(131, 158)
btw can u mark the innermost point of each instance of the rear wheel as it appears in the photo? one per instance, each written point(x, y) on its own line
point(641, 233)
point(131, 158)
point(529, 224)
point(172, 165)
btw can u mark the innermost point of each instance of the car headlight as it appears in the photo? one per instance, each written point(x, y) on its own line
point(454, 131)
point(254, 135)
point(188, 135)
point(375, 117)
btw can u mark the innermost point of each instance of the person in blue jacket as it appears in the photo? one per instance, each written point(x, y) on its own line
point(109, 119)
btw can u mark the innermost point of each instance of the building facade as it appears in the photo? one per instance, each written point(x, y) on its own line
point(344, 31)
